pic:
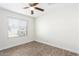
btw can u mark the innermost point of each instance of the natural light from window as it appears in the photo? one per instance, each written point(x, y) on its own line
point(17, 27)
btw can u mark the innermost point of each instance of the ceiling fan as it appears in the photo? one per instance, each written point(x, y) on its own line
point(33, 6)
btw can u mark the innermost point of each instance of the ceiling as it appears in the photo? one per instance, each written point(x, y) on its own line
point(18, 7)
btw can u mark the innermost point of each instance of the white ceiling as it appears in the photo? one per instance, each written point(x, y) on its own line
point(18, 7)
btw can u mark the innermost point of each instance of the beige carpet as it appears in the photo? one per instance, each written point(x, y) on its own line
point(35, 49)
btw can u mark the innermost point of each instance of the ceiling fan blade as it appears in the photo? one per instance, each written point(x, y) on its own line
point(40, 9)
point(32, 12)
point(33, 4)
point(26, 7)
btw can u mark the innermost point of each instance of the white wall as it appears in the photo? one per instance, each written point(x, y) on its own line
point(59, 27)
point(5, 42)
point(78, 28)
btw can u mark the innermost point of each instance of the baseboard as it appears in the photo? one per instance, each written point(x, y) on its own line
point(56, 46)
point(41, 42)
point(15, 45)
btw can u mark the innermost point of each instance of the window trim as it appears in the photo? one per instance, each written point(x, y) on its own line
point(19, 19)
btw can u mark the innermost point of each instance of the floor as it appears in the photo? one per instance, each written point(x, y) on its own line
point(35, 49)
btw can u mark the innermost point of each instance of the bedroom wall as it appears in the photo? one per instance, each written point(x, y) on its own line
point(59, 27)
point(6, 42)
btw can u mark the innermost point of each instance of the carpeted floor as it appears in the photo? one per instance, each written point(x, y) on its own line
point(35, 49)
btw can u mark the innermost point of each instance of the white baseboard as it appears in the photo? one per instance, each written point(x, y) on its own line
point(41, 42)
point(57, 46)
point(16, 45)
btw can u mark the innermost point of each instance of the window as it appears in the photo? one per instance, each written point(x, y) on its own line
point(17, 27)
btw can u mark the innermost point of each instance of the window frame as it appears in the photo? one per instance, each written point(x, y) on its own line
point(21, 20)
